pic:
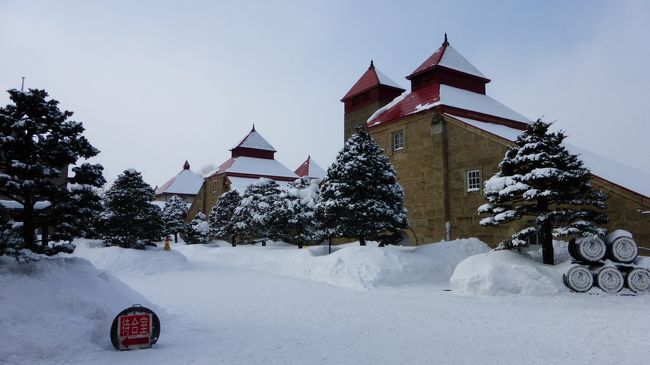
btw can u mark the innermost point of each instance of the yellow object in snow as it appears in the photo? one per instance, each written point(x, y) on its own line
point(167, 246)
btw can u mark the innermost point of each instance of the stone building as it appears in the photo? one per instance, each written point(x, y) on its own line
point(446, 135)
point(185, 184)
point(253, 157)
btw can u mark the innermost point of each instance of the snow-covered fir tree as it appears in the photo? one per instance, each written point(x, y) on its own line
point(296, 211)
point(198, 231)
point(361, 198)
point(173, 216)
point(220, 220)
point(129, 219)
point(540, 179)
point(10, 240)
point(256, 215)
point(39, 143)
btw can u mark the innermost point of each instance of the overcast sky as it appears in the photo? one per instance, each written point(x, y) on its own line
point(159, 82)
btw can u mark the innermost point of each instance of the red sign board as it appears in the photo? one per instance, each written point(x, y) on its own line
point(134, 331)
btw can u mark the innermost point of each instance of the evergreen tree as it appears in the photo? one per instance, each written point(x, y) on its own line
point(220, 221)
point(198, 231)
point(296, 220)
point(539, 178)
point(361, 197)
point(38, 143)
point(129, 219)
point(255, 217)
point(10, 240)
point(173, 216)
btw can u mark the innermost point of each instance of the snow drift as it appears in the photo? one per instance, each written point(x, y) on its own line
point(59, 303)
point(507, 273)
point(350, 266)
point(125, 261)
point(513, 273)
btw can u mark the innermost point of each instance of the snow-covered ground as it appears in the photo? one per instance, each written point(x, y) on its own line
point(282, 305)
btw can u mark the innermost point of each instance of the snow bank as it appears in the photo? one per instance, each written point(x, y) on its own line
point(53, 309)
point(124, 261)
point(350, 266)
point(507, 273)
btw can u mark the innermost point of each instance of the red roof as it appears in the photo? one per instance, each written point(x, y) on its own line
point(446, 57)
point(370, 79)
point(303, 169)
point(453, 100)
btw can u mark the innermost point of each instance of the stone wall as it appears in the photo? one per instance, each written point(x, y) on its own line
point(359, 117)
point(210, 191)
point(432, 169)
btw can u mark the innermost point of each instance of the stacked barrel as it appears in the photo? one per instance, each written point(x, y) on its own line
point(608, 264)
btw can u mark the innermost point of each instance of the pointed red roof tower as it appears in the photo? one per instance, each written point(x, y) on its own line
point(448, 83)
point(310, 169)
point(447, 66)
point(253, 145)
point(372, 91)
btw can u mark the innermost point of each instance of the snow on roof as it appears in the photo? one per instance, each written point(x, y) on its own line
point(311, 169)
point(241, 183)
point(447, 56)
point(385, 80)
point(186, 182)
point(255, 141)
point(255, 166)
point(603, 167)
point(454, 60)
point(441, 94)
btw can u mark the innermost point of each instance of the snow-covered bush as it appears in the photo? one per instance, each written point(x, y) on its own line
point(256, 215)
point(129, 219)
point(361, 198)
point(220, 220)
point(173, 216)
point(198, 231)
point(539, 178)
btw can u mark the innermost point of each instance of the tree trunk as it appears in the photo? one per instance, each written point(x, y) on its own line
point(362, 241)
point(45, 238)
point(329, 244)
point(28, 226)
point(547, 244)
point(176, 237)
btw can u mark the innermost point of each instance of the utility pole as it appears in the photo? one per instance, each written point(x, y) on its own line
point(22, 85)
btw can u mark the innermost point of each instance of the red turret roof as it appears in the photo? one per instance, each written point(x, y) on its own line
point(370, 79)
point(447, 57)
point(311, 169)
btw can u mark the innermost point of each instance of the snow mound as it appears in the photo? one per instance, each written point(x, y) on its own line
point(60, 303)
point(507, 273)
point(349, 266)
point(124, 261)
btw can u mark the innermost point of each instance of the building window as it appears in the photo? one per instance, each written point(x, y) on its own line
point(473, 181)
point(398, 140)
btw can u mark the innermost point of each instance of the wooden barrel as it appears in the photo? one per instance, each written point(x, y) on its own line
point(621, 246)
point(590, 249)
point(579, 279)
point(609, 279)
point(638, 280)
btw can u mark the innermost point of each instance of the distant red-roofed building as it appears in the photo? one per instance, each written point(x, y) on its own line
point(446, 136)
point(253, 157)
point(310, 169)
point(185, 184)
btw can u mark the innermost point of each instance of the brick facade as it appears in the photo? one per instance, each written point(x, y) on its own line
point(432, 168)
